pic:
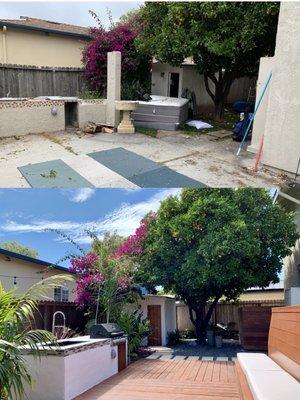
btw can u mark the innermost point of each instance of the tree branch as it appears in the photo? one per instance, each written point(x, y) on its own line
point(207, 86)
point(191, 315)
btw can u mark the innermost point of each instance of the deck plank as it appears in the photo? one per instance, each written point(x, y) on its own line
point(170, 380)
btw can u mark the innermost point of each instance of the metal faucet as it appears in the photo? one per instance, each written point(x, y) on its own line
point(58, 326)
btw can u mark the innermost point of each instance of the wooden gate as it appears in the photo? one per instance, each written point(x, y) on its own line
point(154, 316)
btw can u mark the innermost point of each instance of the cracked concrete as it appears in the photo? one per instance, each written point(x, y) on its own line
point(210, 161)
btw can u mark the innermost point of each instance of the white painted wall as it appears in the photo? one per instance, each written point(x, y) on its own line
point(281, 133)
point(64, 378)
point(265, 67)
point(168, 313)
point(190, 78)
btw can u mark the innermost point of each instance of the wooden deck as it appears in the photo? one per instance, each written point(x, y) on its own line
point(169, 380)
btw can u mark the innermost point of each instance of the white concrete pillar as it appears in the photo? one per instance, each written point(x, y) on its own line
point(113, 87)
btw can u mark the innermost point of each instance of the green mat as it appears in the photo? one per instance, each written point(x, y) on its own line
point(53, 174)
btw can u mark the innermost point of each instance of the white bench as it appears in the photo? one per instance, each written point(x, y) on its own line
point(266, 379)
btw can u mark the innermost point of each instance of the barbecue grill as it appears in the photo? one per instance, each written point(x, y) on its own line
point(101, 331)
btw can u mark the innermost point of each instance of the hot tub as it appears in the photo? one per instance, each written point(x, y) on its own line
point(161, 112)
point(73, 367)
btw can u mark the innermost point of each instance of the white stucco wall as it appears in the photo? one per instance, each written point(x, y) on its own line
point(168, 313)
point(64, 378)
point(281, 134)
point(265, 67)
point(24, 117)
point(91, 111)
point(190, 79)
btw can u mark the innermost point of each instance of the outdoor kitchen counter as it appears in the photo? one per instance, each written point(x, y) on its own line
point(81, 343)
point(76, 365)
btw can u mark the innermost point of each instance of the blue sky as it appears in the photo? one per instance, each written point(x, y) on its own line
point(26, 214)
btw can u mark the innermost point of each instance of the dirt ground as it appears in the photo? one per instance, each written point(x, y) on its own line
point(205, 158)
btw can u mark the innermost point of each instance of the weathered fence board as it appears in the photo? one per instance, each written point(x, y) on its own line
point(28, 81)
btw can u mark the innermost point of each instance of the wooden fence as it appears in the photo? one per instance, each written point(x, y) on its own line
point(30, 81)
point(224, 312)
point(75, 318)
point(254, 323)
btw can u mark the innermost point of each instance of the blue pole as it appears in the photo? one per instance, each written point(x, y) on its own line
point(255, 111)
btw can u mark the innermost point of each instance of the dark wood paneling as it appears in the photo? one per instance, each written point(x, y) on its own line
point(254, 323)
point(121, 356)
point(284, 339)
point(154, 316)
point(75, 318)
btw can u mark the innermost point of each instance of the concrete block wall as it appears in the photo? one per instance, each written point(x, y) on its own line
point(19, 118)
point(91, 111)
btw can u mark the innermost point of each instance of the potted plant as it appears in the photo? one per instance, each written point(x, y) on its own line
point(210, 334)
point(219, 337)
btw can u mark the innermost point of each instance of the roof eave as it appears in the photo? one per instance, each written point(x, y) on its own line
point(22, 257)
point(45, 30)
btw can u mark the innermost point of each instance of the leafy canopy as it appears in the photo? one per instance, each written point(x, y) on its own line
point(19, 248)
point(211, 243)
point(225, 39)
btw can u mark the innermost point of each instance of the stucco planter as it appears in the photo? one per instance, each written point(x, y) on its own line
point(126, 107)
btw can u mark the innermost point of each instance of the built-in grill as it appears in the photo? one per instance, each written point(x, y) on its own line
point(101, 331)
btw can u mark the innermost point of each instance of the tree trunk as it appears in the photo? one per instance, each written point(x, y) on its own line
point(201, 319)
point(222, 87)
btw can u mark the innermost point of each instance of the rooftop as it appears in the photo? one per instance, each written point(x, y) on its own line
point(36, 24)
point(22, 257)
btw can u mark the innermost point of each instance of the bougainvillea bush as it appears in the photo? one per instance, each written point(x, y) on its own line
point(133, 245)
point(135, 66)
point(104, 282)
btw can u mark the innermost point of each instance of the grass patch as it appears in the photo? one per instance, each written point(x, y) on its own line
point(147, 131)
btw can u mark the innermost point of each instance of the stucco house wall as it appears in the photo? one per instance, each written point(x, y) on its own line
point(168, 313)
point(27, 274)
point(40, 49)
point(190, 79)
point(282, 118)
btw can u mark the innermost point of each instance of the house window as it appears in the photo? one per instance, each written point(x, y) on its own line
point(61, 293)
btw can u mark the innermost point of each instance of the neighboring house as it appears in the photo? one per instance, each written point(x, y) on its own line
point(37, 42)
point(161, 312)
point(277, 122)
point(275, 291)
point(20, 272)
point(172, 81)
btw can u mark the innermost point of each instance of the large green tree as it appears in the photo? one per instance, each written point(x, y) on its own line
point(210, 244)
point(19, 248)
point(226, 39)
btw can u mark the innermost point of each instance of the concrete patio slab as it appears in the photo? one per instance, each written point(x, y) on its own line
point(212, 163)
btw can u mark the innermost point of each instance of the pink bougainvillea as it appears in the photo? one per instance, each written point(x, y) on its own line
point(134, 244)
point(88, 277)
point(118, 38)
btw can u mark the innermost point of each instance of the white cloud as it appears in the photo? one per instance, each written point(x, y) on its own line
point(82, 195)
point(123, 220)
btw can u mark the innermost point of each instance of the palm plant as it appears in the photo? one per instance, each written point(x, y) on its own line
point(16, 317)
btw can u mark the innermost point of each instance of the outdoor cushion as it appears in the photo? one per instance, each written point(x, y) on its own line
point(273, 385)
point(257, 361)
